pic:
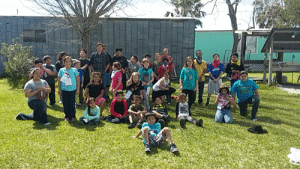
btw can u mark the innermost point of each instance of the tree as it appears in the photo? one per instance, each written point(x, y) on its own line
point(82, 15)
point(187, 8)
point(232, 8)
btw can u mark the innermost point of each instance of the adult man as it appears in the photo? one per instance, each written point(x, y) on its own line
point(51, 73)
point(245, 89)
point(201, 67)
point(123, 61)
point(100, 62)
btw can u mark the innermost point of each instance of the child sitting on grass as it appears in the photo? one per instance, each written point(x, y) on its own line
point(134, 87)
point(223, 102)
point(91, 113)
point(136, 111)
point(153, 135)
point(118, 109)
point(160, 111)
point(183, 112)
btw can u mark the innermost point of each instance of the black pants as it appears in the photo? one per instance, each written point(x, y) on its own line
point(200, 88)
point(124, 80)
point(68, 98)
point(39, 111)
point(52, 94)
point(159, 93)
point(192, 96)
point(251, 100)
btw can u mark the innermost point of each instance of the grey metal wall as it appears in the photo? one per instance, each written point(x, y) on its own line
point(135, 36)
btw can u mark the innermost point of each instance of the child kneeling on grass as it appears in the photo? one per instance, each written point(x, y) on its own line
point(118, 109)
point(160, 112)
point(223, 101)
point(183, 112)
point(136, 111)
point(153, 135)
point(91, 113)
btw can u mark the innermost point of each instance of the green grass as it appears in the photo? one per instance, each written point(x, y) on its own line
point(26, 144)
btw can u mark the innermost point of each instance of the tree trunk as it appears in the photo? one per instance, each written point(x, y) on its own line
point(232, 15)
point(85, 40)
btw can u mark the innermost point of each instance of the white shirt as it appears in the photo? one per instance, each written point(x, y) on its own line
point(156, 85)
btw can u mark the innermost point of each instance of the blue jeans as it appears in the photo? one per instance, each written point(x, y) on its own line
point(200, 88)
point(39, 111)
point(68, 98)
point(254, 100)
point(224, 113)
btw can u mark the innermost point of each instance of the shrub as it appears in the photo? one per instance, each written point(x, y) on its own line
point(19, 62)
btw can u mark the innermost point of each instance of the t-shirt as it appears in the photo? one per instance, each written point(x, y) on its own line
point(183, 109)
point(122, 60)
point(50, 79)
point(136, 108)
point(68, 79)
point(115, 80)
point(135, 88)
point(215, 71)
point(188, 77)
point(200, 69)
point(145, 75)
point(154, 129)
point(95, 90)
point(80, 74)
point(156, 85)
point(86, 70)
point(133, 68)
point(160, 108)
point(33, 86)
point(223, 102)
point(244, 90)
point(59, 65)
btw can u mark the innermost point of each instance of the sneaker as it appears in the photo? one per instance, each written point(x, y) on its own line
point(139, 125)
point(60, 102)
point(173, 148)
point(46, 124)
point(147, 148)
point(20, 117)
point(200, 122)
point(207, 103)
point(79, 104)
point(182, 123)
point(131, 125)
point(255, 119)
point(169, 103)
point(66, 119)
point(73, 119)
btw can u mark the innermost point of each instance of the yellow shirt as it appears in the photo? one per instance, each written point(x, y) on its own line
point(200, 68)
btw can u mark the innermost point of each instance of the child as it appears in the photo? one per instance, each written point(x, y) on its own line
point(136, 110)
point(91, 113)
point(147, 77)
point(118, 109)
point(68, 87)
point(161, 87)
point(156, 64)
point(50, 77)
point(223, 101)
point(116, 78)
point(135, 86)
point(95, 89)
point(160, 111)
point(163, 68)
point(153, 135)
point(233, 68)
point(133, 65)
point(59, 64)
point(215, 71)
point(81, 80)
point(85, 67)
point(189, 80)
point(183, 112)
point(147, 57)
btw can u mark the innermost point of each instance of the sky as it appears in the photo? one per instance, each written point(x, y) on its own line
point(216, 19)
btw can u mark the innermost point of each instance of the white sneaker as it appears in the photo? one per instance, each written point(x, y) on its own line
point(255, 119)
point(60, 102)
point(47, 124)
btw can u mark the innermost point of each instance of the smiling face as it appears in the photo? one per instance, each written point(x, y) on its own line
point(119, 97)
point(216, 57)
point(224, 91)
point(99, 48)
point(151, 119)
point(92, 104)
point(158, 100)
point(133, 61)
point(135, 78)
point(243, 77)
point(48, 61)
point(137, 101)
point(165, 51)
point(234, 58)
point(36, 75)
point(146, 64)
point(82, 54)
point(96, 78)
point(189, 62)
point(199, 54)
point(77, 65)
point(68, 63)
point(182, 99)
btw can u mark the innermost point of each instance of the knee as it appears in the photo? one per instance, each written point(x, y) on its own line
point(166, 130)
point(145, 130)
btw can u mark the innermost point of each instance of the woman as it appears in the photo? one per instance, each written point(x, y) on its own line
point(34, 90)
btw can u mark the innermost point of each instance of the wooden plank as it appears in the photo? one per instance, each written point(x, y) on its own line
point(122, 36)
point(169, 36)
point(117, 34)
point(134, 38)
point(3, 30)
point(14, 28)
point(146, 38)
point(105, 36)
point(185, 41)
point(174, 43)
point(163, 33)
point(140, 38)
point(180, 54)
point(151, 40)
point(128, 40)
point(8, 24)
point(111, 37)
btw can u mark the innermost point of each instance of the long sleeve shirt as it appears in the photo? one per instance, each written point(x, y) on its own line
point(94, 113)
point(118, 108)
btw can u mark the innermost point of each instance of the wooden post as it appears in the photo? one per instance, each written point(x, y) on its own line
point(265, 67)
point(270, 63)
point(279, 73)
point(243, 47)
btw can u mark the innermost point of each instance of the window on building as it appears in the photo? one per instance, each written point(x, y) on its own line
point(31, 35)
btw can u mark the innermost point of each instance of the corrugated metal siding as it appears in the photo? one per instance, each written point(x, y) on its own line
point(135, 36)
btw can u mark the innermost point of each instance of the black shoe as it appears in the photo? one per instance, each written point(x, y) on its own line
point(173, 148)
point(182, 123)
point(139, 125)
point(20, 117)
point(147, 148)
point(200, 122)
point(207, 103)
point(131, 125)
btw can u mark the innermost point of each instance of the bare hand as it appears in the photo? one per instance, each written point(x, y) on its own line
point(195, 89)
point(77, 91)
point(215, 80)
point(41, 88)
point(181, 88)
point(59, 92)
point(144, 84)
point(81, 85)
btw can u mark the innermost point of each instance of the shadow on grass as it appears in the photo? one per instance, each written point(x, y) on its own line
point(53, 120)
point(164, 147)
point(89, 127)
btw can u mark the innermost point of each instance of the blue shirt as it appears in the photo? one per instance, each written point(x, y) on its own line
point(215, 71)
point(80, 74)
point(244, 90)
point(153, 129)
point(188, 77)
point(71, 73)
point(145, 75)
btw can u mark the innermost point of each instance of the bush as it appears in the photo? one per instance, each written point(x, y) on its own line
point(19, 62)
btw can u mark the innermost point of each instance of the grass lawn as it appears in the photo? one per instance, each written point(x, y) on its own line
point(26, 144)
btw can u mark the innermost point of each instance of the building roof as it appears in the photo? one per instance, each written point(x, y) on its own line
point(284, 40)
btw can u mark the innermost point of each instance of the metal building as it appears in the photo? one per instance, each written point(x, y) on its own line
point(137, 36)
